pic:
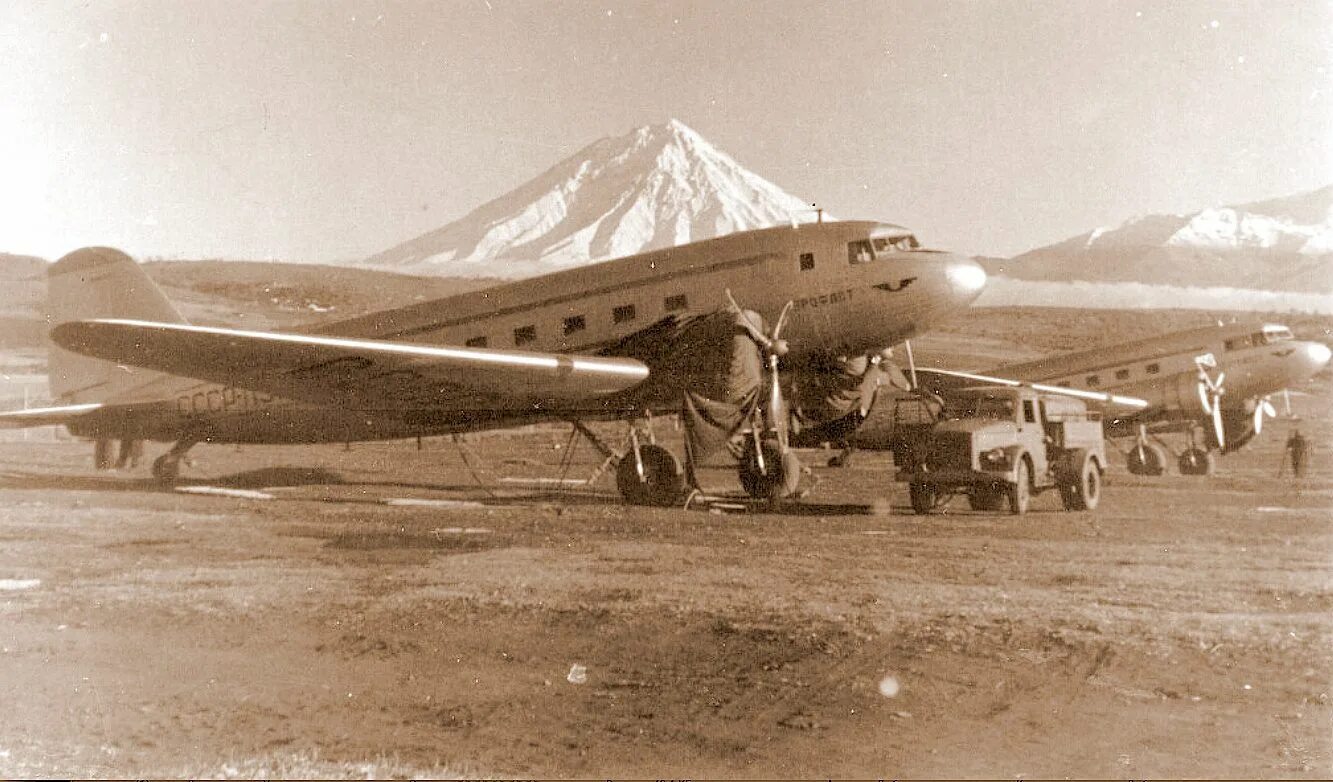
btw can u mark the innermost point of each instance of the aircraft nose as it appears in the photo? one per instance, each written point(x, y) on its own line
point(966, 278)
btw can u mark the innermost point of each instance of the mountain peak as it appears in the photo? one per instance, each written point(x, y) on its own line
point(653, 187)
point(1283, 243)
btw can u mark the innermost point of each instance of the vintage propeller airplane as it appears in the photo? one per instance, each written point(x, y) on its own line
point(661, 331)
point(1212, 384)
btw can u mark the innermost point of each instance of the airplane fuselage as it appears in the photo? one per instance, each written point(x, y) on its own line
point(855, 287)
point(1257, 360)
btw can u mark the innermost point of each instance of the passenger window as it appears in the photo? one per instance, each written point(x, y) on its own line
point(1122, 374)
point(807, 261)
point(1153, 368)
point(1094, 381)
point(525, 334)
point(1029, 411)
point(860, 252)
point(476, 342)
point(1063, 384)
point(1234, 344)
point(677, 302)
point(623, 314)
point(575, 324)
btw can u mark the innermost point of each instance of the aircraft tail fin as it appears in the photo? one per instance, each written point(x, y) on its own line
point(99, 282)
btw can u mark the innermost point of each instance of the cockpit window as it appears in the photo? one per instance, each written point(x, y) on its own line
point(860, 252)
point(901, 244)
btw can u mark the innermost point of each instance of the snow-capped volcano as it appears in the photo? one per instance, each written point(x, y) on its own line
point(1280, 244)
point(654, 187)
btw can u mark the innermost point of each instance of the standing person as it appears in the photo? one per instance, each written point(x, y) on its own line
point(1296, 447)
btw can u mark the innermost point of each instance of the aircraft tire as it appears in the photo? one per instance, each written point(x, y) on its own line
point(778, 480)
point(663, 481)
point(923, 497)
point(166, 467)
point(1018, 495)
point(1149, 459)
point(1196, 461)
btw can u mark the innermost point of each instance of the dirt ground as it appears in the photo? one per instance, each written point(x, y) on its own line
point(384, 614)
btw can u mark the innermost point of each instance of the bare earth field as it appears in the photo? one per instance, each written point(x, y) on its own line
point(1185, 628)
point(381, 613)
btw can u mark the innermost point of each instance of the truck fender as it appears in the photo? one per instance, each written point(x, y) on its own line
point(1016, 454)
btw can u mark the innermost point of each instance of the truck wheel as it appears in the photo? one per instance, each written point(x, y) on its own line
point(923, 497)
point(1019, 493)
point(1083, 490)
point(986, 498)
point(1148, 459)
point(1196, 461)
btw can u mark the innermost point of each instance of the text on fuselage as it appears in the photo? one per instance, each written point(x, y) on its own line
point(227, 399)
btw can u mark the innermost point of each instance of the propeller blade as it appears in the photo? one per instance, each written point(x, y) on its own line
point(782, 320)
point(1218, 429)
point(1205, 398)
point(1263, 409)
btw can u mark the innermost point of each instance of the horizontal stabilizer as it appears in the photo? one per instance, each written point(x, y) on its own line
point(368, 374)
point(44, 416)
point(947, 378)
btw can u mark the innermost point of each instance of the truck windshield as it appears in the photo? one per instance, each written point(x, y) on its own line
point(998, 408)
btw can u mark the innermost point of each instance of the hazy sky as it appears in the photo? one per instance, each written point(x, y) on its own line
point(331, 130)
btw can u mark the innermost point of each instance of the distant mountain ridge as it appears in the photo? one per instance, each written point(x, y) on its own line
point(1278, 244)
point(654, 187)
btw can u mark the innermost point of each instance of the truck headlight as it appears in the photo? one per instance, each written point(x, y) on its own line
point(995, 457)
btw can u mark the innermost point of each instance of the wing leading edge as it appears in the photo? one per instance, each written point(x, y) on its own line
point(45, 416)
point(365, 373)
point(947, 378)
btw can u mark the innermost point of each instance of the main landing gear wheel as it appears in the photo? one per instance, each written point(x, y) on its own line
point(1019, 494)
point(922, 496)
point(1196, 461)
point(662, 481)
point(1146, 459)
point(777, 478)
point(1083, 490)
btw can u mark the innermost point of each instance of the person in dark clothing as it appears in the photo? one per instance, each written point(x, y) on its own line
point(1297, 448)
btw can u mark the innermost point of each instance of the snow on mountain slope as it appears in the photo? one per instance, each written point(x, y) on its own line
point(654, 187)
point(1283, 244)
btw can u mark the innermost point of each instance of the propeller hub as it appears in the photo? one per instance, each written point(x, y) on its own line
point(780, 348)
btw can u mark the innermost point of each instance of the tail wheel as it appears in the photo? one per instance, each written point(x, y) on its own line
point(1146, 459)
point(1019, 493)
point(778, 476)
point(923, 497)
point(166, 467)
point(662, 481)
point(1196, 461)
point(1083, 490)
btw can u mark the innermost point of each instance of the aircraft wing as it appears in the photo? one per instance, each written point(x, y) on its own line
point(372, 374)
point(44, 416)
point(944, 379)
